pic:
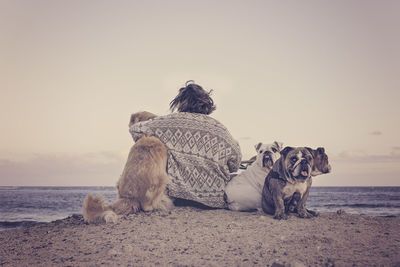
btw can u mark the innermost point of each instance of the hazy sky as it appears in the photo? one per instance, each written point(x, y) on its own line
point(306, 73)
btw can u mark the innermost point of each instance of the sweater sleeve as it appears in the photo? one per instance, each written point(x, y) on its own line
point(235, 159)
point(139, 129)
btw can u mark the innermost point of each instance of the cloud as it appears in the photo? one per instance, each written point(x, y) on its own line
point(376, 133)
point(395, 151)
point(101, 168)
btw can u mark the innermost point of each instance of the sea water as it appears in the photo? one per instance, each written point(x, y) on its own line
point(24, 206)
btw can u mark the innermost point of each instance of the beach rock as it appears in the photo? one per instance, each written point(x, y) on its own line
point(113, 252)
point(340, 212)
point(277, 264)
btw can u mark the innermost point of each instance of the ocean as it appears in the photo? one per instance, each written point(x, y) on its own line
point(25, 206)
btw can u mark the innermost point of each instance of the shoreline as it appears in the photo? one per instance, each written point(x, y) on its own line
point(190, 236)
point(13, 225)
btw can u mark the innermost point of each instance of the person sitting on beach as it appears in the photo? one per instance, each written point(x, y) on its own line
point(201, 151)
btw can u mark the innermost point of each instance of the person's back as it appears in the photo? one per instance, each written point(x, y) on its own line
point(201, 151)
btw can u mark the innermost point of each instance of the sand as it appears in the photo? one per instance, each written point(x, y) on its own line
point(189, 236)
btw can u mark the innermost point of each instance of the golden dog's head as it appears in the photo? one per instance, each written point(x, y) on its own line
point(141, 116)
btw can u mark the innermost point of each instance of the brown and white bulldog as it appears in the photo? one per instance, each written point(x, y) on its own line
point(321, 166)
point(321, 162)
point(288, 182)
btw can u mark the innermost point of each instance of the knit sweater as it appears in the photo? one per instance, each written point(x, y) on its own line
point(201, 155)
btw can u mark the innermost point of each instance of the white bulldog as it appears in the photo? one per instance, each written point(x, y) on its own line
point(244, 191)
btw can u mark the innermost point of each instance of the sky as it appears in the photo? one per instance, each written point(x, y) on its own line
point(305, 73)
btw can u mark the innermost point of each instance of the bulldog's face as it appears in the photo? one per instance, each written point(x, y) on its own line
point(268, 154)
point(321, 163)
point(297, 163)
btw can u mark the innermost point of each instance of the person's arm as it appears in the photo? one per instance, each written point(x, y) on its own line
point(235, 159)
point(139, 129)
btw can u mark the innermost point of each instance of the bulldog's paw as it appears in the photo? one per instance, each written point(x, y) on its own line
point(110, 217)
point(280, 216)
point(313, 213)
point(292, 208)
point(305, 214)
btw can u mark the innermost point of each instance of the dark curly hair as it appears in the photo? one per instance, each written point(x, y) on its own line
point(193, 98)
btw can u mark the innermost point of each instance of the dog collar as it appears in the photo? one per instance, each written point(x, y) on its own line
point(275, 175)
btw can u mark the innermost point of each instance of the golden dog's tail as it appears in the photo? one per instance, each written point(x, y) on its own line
point(96, 209)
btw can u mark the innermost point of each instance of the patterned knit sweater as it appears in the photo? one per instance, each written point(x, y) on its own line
point(201, 154)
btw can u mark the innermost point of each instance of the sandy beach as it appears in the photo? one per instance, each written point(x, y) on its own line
point(190, 236)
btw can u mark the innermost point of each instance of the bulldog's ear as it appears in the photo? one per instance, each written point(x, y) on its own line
point(311, 151)
point(258, 146)
point(321, 150)
point(278, 145)
point(286, 150)
point(278, 167)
